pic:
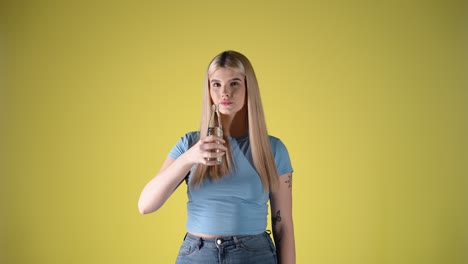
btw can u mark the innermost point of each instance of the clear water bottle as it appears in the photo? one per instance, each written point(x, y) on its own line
point(215, 130)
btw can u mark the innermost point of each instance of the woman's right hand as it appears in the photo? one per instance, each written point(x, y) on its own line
point(207, 148)
point(173, 171)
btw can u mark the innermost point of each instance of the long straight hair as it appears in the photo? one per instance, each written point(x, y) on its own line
point(262, 154)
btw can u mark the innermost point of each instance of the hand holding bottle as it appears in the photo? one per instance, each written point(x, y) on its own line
point(216, 131)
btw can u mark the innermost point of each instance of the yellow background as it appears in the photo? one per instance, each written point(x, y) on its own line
point(370, 98)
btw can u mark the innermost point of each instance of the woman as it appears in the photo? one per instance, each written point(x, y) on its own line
point(227, 203)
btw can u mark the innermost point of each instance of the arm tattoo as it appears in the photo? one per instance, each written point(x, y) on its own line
point(289, 180)
point(276, 218)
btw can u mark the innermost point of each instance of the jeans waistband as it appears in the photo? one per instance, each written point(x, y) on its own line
point(224, 240)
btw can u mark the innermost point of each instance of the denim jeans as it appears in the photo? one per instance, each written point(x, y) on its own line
point(253, 249)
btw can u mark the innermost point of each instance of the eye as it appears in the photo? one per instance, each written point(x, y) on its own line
point(216, 84)
point(234, 84)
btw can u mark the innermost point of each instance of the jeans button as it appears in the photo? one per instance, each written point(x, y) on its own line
point(219, 241)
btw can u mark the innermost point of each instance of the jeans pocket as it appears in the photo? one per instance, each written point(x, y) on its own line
point(257, 244)
point(188, 247)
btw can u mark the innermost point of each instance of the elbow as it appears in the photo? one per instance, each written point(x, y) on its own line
point(150, 202)
point(142, 210)
point(145, 208)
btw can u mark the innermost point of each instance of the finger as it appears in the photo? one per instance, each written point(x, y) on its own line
point(212, 159)
point(210, 163)
point(214, 154)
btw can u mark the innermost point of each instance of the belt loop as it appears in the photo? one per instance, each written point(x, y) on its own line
point(185, 237)
point(200, 243)
point(236, 241)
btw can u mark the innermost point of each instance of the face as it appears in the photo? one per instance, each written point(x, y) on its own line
point(227, 88)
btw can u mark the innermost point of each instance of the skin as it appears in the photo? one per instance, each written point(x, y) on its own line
point(227, 88)
point(282, 221)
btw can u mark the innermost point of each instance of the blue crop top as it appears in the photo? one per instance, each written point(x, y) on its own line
point(237, 203)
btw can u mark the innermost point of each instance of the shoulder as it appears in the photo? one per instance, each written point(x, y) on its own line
point(190, 138)
point(192, 134)
point(276, 143)
point(184, 143)
point(273, 138)
point(281, 156)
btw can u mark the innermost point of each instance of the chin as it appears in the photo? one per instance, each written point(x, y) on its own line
point(227, 112)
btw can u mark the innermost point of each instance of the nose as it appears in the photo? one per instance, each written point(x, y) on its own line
point(225, 93)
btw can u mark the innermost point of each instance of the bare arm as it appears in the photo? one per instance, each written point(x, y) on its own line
point(172, 173)
point(282, 221)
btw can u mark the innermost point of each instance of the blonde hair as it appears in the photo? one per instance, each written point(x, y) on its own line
point(260, 146)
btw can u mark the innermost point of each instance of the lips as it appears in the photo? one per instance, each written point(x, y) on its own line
point(225, 103)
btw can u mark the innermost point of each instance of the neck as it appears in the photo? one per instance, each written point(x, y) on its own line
point(235, 126)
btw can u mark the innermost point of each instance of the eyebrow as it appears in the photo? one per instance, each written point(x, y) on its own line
point(233, 79)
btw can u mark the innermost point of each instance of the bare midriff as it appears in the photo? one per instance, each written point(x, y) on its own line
point(206, 235)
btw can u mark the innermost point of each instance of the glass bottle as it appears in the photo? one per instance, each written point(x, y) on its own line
point(215, 130)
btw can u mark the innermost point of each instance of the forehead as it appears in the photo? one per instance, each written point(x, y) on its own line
point(226, 73)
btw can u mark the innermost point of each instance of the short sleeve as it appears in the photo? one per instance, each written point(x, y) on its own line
point(280, 152)
point(183, 144)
